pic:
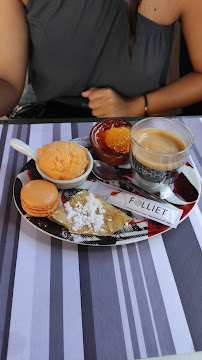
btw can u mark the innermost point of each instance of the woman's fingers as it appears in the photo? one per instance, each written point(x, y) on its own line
point(106, 102)
point(96, 103)
point(88, 92)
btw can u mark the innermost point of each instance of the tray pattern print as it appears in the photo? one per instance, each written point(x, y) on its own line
point(139, 229)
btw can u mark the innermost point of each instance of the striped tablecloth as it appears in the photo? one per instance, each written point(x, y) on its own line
point(63, 301)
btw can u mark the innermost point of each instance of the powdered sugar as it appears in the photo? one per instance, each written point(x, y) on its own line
point(89, 214)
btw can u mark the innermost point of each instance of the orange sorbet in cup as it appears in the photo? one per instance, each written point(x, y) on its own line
point(62, 160)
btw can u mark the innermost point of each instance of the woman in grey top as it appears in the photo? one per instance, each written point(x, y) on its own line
point(112, 52)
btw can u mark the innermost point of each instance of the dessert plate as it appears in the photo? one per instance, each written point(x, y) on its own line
point(184, 189)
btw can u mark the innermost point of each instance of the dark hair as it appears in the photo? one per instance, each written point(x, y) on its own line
point(132, 20)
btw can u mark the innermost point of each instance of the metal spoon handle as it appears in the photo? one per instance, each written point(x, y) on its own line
point(143, 192)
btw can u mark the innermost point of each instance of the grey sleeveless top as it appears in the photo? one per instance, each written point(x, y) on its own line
point(77, 44)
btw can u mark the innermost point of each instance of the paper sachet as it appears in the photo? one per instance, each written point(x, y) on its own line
point(166, 214)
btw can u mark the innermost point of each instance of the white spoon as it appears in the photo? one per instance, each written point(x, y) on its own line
point(23, 148)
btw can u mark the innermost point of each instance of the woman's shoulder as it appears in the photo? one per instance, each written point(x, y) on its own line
point(169, 11)
point(162, 12)
point(193, 5)
point(25, 2)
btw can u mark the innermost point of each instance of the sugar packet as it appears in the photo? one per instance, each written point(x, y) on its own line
point(166, 214)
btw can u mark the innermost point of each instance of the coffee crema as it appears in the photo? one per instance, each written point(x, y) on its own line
point(159, 148)
point(159, 140)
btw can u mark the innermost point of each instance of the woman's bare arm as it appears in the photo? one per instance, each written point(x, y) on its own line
point(183, 92)
point(13, 53)
point(188, 89)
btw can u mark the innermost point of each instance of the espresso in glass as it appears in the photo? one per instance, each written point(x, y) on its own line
point(159, 150)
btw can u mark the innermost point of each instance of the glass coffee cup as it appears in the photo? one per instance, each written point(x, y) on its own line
point(158, 151)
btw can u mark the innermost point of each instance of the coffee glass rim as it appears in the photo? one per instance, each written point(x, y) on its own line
point(157, 152)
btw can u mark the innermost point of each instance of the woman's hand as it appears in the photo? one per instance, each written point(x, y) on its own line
point(106, 102)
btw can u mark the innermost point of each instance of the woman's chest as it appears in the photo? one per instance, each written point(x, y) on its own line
point(163, 12)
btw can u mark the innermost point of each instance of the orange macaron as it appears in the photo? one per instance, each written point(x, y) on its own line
point(39, 198)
